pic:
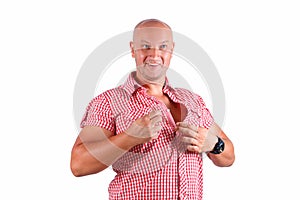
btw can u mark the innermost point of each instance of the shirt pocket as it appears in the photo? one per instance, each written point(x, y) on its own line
point(194, 116)
point(199, 117)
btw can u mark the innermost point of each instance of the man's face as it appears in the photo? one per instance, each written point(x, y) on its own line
point(152, 49)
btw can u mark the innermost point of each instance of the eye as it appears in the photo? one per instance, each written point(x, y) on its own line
point(145, 46)
point(163, 46)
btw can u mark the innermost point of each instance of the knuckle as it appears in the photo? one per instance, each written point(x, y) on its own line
point(146, 120)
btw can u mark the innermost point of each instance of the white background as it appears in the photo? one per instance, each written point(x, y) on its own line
point(254, 45)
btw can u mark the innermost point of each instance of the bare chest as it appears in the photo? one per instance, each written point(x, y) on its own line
point(178, 111)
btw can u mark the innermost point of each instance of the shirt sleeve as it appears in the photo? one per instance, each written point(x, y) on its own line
point(98, 113)
point(206, 117)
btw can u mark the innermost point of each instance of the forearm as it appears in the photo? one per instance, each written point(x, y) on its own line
point(226, 158)
point(93, 157)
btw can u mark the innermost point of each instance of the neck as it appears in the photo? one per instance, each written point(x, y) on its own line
point(153, 88)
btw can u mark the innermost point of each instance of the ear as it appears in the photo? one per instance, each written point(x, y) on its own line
point(173, 47)
point(132, 49)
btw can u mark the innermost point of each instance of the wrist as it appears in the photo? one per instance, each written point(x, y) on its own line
point(215, 141)
point(130, 140)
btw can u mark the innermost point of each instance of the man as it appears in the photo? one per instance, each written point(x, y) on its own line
point(153, 135)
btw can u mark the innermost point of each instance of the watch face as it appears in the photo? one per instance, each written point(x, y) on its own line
point(219, 147)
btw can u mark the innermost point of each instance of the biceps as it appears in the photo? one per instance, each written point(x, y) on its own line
point(93, 134)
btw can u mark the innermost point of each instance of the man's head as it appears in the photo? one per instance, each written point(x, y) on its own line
point(152, 48)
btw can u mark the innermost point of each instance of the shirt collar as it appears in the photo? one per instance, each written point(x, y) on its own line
point(131, 85)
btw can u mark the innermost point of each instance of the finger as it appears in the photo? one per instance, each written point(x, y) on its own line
point(182, 124)
point(190, 141)
point(193, 148)
point(145, 120)
point(154, 113)
point(155, 133)
point(184, 131)
point(186, 125)
point(156, 129)
point(156, 120)
point(154, 136)
point(188, 132)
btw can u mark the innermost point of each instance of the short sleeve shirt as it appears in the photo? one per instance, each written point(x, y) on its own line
point(159, 169)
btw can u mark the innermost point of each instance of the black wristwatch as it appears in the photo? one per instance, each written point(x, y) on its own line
point(219, 147)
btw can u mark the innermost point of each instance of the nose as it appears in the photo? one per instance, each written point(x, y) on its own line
point(154, 52)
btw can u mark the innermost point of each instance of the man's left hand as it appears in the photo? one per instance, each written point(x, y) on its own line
point(197, 139)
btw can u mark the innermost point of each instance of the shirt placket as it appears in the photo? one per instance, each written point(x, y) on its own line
point(181, 163)
point(182, 181)
point(181, 158)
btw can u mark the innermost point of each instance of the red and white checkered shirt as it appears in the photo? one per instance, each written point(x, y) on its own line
point(158, 169)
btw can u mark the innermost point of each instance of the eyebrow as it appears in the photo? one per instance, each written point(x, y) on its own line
point(145, 41)
point(165, 41)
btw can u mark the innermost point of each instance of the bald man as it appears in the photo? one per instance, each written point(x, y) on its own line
point(153, 135)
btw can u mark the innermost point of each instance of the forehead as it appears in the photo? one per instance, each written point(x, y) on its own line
point(152, 34)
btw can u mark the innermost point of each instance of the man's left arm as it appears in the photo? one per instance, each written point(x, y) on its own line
point(226, 157)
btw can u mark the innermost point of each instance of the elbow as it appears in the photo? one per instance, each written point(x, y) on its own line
point(76, 172)
point(81, 165)
point(76, 164)
point(231, 161)
point(228, 158)
point(76, 168)
point(226, 163)
point(222, 161)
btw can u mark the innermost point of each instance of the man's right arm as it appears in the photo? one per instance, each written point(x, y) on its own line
point(96, 148)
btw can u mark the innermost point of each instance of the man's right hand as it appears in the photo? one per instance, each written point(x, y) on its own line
point(146, 128)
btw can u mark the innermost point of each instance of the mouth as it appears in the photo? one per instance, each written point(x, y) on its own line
point(153, 64)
